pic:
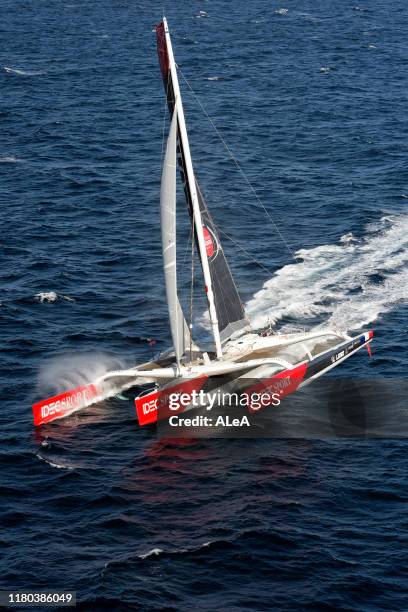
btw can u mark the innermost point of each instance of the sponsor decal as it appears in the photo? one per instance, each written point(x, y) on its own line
point(348, 349)
point(63, 404)
point(156, 405)
point(278, 386)
point(210, 242)
point(338, 356)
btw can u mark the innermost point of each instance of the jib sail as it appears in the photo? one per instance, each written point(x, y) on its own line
point(178, 326)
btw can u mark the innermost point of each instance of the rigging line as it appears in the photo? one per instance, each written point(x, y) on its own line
point(292, 254)
point(185, 252)
point(192, 290)
point(246, 252)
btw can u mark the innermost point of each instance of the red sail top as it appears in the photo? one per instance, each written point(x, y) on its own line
point(162, 50)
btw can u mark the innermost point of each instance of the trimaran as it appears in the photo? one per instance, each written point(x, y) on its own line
point(239, 353)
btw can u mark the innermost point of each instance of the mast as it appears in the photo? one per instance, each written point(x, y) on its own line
point(193, 192)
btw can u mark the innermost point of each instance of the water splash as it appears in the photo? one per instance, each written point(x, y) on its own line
point(69, 371)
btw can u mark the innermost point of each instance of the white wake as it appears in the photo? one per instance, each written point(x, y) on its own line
point(345, 285)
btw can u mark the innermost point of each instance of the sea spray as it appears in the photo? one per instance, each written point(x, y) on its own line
point(74, 370)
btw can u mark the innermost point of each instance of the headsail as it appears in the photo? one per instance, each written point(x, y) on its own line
point(178, 325)
point(225, 307)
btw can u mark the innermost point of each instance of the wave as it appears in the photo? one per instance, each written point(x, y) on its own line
point(10, 159)
point(124, 561)
point(155, 551)
point(344, 286)
point(55, 465)
point(159, 551)
point(22, 72)
point(51, 297)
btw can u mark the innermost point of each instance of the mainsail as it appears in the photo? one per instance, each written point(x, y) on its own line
point(230, 310)
point(178, 325)
point(225, 307)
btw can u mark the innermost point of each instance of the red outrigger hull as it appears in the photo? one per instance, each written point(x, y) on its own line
point(155, 406)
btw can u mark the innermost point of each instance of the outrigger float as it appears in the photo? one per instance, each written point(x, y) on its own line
point(250, 359)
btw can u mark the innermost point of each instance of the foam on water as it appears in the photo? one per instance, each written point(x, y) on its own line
point(347, 285)
point(51, 297)
point(9, 159)
point(53, 464)
point(154, 551)
point(22, 72)
point(159, 551)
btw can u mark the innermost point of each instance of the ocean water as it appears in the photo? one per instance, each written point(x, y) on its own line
point(311, 99)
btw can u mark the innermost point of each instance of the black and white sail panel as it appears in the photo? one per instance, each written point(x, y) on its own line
point(230, 310)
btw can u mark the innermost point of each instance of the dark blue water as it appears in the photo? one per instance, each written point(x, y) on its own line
point(312, 101)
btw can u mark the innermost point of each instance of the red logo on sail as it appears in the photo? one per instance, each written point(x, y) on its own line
point(209, 242)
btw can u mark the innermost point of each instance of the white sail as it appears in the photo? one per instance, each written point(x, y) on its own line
point(178, 325)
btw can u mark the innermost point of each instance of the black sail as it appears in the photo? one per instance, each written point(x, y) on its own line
point(229, 308)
